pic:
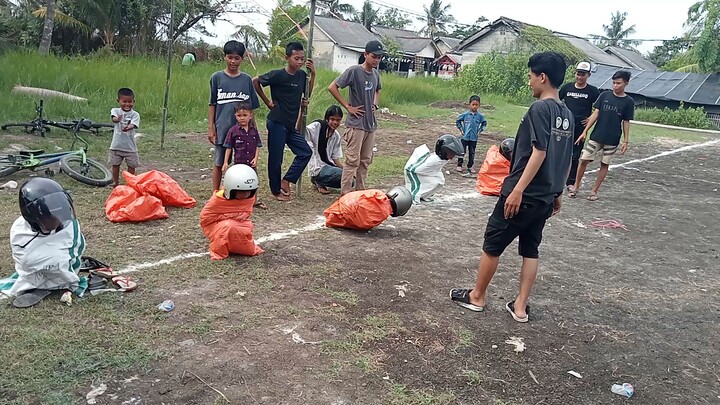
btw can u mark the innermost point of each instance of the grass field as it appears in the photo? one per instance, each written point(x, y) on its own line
point(235, 320)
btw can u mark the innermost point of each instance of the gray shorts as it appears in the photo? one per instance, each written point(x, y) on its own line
point(220, 156)
point(117, 156)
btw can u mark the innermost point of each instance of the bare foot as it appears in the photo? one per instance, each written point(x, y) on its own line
point(322, 190)
point(260, 205)
point(283, 197)
point(285, 187)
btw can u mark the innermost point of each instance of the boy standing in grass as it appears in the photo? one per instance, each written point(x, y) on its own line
point(613, 112)
point(531, 193)
point(470, 123)
point(287, 88)
point(227, 87)
point(243, 141)
point(123, 146)
point(359, 137)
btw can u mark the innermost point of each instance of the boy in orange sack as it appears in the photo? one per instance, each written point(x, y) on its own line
point(225, 219)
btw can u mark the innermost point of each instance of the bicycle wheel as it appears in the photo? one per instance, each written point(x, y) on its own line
point(92, 173)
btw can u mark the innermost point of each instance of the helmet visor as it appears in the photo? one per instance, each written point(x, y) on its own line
point(52, 212)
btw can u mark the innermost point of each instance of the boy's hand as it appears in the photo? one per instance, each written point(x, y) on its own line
point(310, 65)
point(356, 111)
point(253, 163)
point(581, 138)
point(212, 136)
point(224, 167)
point(556, 206)
point(128, 127)
point(512, 204)
point(623, 148)
point(270, 105)
point(304, 102)
point(117, 119)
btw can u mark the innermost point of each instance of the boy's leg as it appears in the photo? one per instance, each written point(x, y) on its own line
point(116, 175)
point(366, 157)
point(114, 159)
point(577, 151)
point(608, 152)
point(353, 145)
point(529, 241)
point(471, 145)
point(133, 161)
point(217, 166)
point(586, 156)
point(277, 134)
point(329, 176)
point(299, 146)
point(461, 160)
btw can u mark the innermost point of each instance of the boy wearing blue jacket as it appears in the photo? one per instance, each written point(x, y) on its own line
point(470, 123)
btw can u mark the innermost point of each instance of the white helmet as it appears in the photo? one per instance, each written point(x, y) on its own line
point(240, 178)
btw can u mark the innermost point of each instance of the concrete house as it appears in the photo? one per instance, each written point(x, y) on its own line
point(338, 44)
point(418, 52)
point(444, 45)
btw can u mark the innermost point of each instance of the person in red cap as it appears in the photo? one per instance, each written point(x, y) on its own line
point(579, 97)
point(359, 137)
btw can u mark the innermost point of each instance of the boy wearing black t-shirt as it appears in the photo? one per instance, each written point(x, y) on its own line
point(613, 112)
point(531, 193)
point(579, 97)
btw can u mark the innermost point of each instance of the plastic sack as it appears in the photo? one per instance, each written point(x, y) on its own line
point(363, 210)
point(162, 186)
point(125, 204)
point(228, 226)
point(423, 173)
point(492, 173)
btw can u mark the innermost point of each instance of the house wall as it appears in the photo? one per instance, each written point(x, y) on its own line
point(344, 58)
point(323, 49)
point(442, 47)
point(427, 52)
point(495, 40)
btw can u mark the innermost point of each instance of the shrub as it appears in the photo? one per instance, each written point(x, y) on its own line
point(689, 117)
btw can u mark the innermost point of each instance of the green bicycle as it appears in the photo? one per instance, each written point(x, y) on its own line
point(74, 163)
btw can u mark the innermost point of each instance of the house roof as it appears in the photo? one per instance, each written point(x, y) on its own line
point(346, 34)
point(450, 42)
point(409, 41)
point(702, 89)
point(593, 52)
point(514, 25)
point(631, 57)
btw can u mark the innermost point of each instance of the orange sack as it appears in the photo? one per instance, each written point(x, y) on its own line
point(228, 226)
point(363, 210)
point(492, 173)
point(125, 204)
point(162, 186)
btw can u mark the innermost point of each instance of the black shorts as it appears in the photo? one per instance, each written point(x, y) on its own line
point(527, 224)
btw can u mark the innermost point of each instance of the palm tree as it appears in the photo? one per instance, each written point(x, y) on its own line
point(48, 26)
point(336, 9)
point(251, 37)
point(616, 34)
point(437, 15)
point(368, 15)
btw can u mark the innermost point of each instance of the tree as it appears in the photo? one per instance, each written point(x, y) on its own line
point(616, 34)
point(669, 50)
point(48, 26)
point(464, 31)
point(335, 9)
point(251, 37)
point(437, 17)
point(368, 15)
point(282, 23)
point(704, 17)
point(392, 18)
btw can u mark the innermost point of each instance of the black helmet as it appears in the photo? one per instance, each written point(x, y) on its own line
point(506, 148)
point(449, 143)
point(45, 205)
point(400, 200)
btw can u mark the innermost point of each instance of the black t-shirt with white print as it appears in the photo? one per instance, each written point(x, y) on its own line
point(579, 101)
point(548, 125)
point(613, 111)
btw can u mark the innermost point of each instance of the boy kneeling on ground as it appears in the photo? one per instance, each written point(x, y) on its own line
point(225, 219)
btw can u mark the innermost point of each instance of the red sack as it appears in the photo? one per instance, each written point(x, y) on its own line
point(363, 210)
point(125, 204)
point(228, 226)
point(492, 173)
point(162, 186)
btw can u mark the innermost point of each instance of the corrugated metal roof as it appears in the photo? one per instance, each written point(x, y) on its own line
point(633, 58)
point(593, 52)
point(409, 41)
point(345, 33)
point(703, 89)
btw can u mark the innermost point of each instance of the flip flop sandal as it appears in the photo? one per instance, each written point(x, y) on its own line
point(593, 197)
point(510, 306)
point(30, 298)
point(96, 282)
point(125, 284)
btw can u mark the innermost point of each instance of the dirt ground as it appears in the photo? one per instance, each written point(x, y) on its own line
point(332, 316)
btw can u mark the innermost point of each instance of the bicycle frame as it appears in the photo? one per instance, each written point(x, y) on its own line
point(35, 161)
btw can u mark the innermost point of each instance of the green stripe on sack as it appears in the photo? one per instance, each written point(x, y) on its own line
point(77, 248)
point(414, 178)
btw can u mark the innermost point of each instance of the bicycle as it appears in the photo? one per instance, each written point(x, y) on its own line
point(74, 163)
point(42, 125)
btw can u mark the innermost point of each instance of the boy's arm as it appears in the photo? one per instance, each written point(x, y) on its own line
point(212, 133)
point(311, 66)
point(228, 153)
point(334, 89)
point(626, 136)
point(115, 116)
point(255, 158)
point(590, 122)
point(135, 120)
point(376, 99)
point(260, 92)
point(459, 123)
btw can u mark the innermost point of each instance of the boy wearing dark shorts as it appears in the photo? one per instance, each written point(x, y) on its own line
point(531, 193)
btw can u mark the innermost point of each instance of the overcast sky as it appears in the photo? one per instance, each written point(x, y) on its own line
point(659, 19)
